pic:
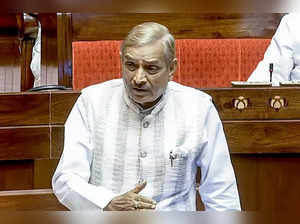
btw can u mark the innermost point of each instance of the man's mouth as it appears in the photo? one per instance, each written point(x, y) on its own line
point(140, 90)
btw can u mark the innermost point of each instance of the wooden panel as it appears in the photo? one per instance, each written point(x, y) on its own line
point(24, 109)
point(49, 66)
point(246, 172)
point(279, 183)
point(29, 200)
point(268, 182)
point(24, 143)
point(263, 136)
point(43, 172)
point(258, 107)
point(183, 26)
point(57, 141)
point(61, 105)
point(10, 52)
point(64, 48)
point(8, 25)
point(15, 53)
point(10, 65)
point(16, 175)
point(223, 99)
point(27, 78)
point(292, 110)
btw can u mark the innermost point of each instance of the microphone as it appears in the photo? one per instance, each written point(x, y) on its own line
point(271, 71)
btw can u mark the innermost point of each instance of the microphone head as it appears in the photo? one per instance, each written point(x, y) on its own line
point(271, 67)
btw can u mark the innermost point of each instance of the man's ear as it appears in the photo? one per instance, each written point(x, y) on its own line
point(173, 67)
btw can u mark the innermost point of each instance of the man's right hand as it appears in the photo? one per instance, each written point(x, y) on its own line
point(131, 201)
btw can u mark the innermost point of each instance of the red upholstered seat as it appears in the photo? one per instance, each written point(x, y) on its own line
point(95, 61)
point(201, 62)
point(208, 63)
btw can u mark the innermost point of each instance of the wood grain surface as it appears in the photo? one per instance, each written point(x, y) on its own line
point(16, 175)
point(49, 62)
point(181, 25)
point(43, 172)
point(24, 109)
point(61, 105)
point(64, 49)
point(259, 103)
point(29, 200)
point(57, 141)
point(17, 143)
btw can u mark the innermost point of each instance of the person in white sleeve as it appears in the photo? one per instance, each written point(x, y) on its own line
point(136, 143)
point(283, 52)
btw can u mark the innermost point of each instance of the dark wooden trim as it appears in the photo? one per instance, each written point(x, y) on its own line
point(43, 199)
point(9, 26)
point(49, 65)
point(64, 49)
point(27, 78)
point(20, 24)
point(90, 26)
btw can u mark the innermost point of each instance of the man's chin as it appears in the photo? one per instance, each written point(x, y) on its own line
point(145, 102)
point(139, 100)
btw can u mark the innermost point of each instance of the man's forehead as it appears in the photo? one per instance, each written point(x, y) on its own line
point(151, 53)
point(147, 58)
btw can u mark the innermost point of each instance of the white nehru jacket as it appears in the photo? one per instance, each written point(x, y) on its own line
point(110, 144)
point(283, 52)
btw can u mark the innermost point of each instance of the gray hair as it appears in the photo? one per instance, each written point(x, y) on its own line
point(150, 32)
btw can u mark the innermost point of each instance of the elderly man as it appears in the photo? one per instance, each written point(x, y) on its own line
point(136, 143)
point(283, 52)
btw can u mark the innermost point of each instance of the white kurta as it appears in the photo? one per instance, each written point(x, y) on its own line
point(35, 64)
point(283, 52)
point(110, 144)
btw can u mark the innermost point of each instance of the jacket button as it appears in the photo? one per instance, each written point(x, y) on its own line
point(146, 124)
point(143, 154)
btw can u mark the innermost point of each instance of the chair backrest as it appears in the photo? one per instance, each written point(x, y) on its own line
point(202, 63)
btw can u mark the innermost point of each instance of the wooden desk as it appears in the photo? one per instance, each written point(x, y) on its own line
point(264, 142)
point(31, 137)
point(264, 145)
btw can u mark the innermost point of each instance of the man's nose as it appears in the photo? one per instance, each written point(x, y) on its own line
point(140, 77)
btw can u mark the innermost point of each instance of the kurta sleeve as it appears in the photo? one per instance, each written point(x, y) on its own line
point(218, 188)
point(71, 179)
point(280, 53)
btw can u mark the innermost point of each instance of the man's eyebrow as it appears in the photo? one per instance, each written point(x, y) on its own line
point(152, 61)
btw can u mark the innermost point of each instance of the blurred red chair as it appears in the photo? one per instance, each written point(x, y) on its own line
point(202, 63)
